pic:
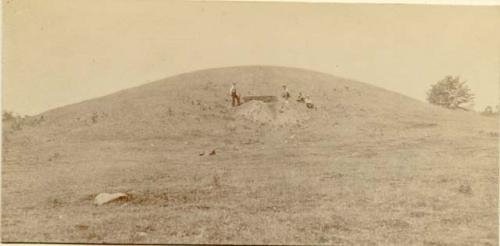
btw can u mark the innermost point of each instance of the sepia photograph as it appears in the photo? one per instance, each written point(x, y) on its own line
point(249, 123)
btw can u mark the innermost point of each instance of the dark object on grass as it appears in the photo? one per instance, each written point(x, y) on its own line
point(265, 99)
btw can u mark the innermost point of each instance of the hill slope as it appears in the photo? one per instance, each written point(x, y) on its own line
point(198, 101)
point(367, 166)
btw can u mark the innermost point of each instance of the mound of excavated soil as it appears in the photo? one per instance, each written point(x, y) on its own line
point(274, 113)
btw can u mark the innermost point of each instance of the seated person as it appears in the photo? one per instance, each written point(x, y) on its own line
point(301, 98)
point(309, 103)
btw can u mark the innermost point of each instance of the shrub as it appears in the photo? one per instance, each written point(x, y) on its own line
point(8, 116)
point(15, 122)
point(450, 93)
point(488, 111)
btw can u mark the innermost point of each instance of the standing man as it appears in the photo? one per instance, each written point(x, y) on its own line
point(235, 98)
point(285, 94)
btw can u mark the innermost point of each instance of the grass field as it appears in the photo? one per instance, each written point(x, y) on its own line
point(367, 167)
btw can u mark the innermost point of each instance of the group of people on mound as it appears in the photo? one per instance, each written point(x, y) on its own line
point(301, 98)
point(235, 97)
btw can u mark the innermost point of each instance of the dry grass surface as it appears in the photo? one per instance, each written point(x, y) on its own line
point(367, 167)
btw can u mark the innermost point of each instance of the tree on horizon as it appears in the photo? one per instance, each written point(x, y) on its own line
point(450, 93)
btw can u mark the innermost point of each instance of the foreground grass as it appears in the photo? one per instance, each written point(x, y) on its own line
point(399, 191)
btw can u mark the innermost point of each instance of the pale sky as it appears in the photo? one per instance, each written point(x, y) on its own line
point(58, 52)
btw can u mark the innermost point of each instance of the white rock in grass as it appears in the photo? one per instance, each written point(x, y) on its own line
point(104, 198)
